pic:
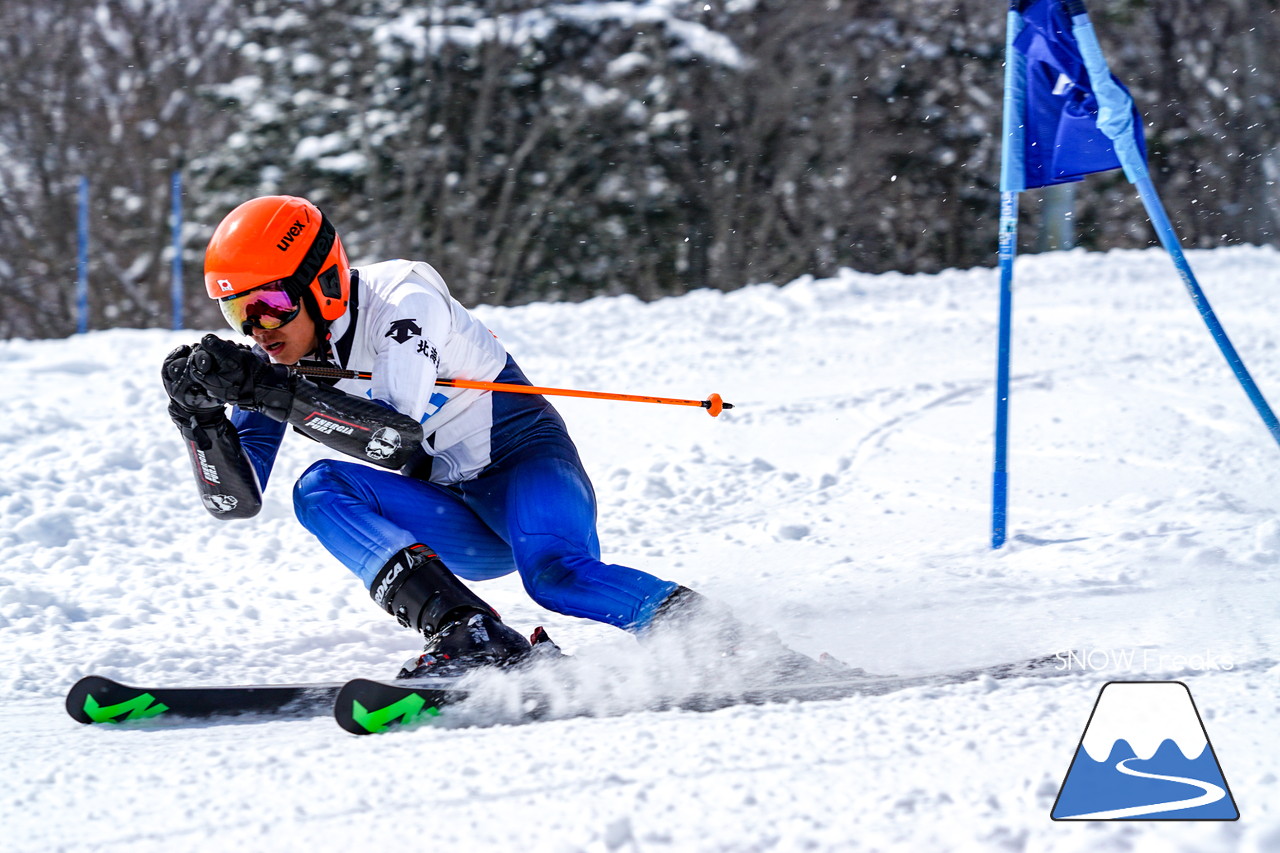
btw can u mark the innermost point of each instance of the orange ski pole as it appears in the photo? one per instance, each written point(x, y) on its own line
point(713, 404)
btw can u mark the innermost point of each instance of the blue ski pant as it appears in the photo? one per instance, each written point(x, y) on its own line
point(533, 512)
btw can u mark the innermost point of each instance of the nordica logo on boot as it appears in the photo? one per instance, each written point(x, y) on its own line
point(388, 583)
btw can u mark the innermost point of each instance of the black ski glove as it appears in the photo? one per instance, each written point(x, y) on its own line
point(190, 407)
point(232, 372)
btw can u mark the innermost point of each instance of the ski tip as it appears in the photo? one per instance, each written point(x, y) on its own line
point(94, 699)
point(76, 696)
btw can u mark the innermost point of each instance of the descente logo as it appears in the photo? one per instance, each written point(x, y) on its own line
point(292, 234)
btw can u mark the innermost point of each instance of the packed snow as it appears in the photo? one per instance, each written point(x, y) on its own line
point(843, 503)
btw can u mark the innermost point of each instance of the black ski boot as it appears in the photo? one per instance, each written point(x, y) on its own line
point(474, 640)
point(462, 631)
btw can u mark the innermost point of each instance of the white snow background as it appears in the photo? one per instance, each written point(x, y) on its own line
point(844, 503)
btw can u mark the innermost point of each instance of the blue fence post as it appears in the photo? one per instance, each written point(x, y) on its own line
point(82, 259)
point(176, 284)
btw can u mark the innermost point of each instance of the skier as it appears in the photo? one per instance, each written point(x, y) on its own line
point(480, 483)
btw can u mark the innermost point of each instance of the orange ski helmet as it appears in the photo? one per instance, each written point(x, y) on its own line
point(284, 239)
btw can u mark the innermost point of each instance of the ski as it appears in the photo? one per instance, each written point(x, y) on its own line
point(94, 699)
point(365, 706)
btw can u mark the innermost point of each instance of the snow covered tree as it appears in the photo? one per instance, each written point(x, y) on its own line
point(108, 89)
point(538, 151)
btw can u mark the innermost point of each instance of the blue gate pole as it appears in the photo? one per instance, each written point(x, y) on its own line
point(176, 285)
point(1012, 182)
point(1000, 475)
point(1169, 238)
point(1115, 120)
point(82, 259)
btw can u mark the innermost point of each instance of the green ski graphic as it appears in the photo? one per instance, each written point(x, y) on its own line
point(408, 710)
point(139, 707)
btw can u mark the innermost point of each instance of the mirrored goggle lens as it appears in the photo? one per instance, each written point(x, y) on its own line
point(268, 308)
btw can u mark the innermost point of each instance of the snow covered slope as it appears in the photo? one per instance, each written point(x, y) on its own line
point(843, 503)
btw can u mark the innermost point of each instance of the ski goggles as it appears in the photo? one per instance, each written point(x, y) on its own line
point(267, 307)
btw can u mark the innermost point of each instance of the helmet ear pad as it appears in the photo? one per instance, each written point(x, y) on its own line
point(330, 283)
point(331, 288)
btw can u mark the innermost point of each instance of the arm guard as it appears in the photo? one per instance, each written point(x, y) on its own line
point(354, 426)
point(226, 480)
